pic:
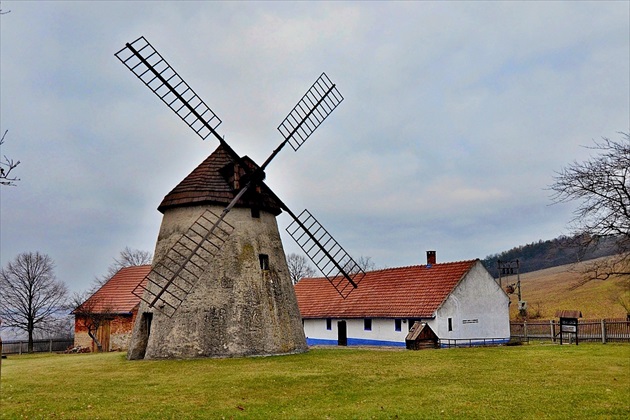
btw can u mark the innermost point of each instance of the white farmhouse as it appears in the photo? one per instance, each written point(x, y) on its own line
point(460, 302)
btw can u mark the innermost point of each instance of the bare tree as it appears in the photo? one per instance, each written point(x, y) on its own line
point(6, 166)
point(127, 258)
point(31, 298)
point(601, 185)
point(91, 313)
point(366, 263)
point(299, 267)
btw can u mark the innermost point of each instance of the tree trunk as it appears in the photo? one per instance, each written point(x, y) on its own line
point(30, 340)
point(92, 335)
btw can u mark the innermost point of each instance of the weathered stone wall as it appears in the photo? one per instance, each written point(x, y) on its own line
point(119, 335)
point(81, 337)
point(236, 308)
point(120, 332)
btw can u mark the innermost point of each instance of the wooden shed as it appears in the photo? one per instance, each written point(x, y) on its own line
point(420, 337)
point(110, 312)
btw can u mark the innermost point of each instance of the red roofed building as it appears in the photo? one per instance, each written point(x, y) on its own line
point(110, 311)
point(459, 301)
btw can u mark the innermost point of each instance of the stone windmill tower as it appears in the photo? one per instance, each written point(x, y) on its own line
point(219, 285)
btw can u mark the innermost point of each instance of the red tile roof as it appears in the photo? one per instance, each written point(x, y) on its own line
point(115, 296)
point(210, 183)
point(406, 292)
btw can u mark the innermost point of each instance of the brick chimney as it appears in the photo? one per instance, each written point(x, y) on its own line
point(431, 259)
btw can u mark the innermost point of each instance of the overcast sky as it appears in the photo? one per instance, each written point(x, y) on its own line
point(455, 117)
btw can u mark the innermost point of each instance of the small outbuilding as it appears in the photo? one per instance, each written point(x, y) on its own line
point(109, 314)
point(421, 336)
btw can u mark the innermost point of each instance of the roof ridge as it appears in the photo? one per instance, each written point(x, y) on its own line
point(405, 267)
point(422, 265)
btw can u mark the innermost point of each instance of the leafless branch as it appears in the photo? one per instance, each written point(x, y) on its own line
point(6, 166)
point(128, 257)
point(299, 267)
point(601, 185)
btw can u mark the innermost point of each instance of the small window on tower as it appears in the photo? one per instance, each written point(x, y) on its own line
point(264, 261)
point(255, 213)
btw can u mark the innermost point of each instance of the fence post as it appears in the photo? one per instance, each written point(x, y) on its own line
point(525, 331)
point(50, 346)
point(603, 331)
point(553, 331)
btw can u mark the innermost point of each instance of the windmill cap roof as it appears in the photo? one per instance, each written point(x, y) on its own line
point(213, 182)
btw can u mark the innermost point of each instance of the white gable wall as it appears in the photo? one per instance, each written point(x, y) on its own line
point(478, 309)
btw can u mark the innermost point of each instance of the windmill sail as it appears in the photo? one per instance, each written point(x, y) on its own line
point(317, 103)
point(174, 276)
point(326, 253)
point(149, 66)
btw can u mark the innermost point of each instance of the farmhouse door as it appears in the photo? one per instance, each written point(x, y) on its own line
point(342, 334)
point(103, 335)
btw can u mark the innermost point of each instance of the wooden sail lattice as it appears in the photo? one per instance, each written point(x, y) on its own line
point(149, 66)
point(173, 277)
point(328, 256)
point(312, 109)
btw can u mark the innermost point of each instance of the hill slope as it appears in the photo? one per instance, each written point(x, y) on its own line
point(555, 252)
point(549, 290)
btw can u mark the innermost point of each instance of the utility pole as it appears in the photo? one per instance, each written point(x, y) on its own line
point(509, 268)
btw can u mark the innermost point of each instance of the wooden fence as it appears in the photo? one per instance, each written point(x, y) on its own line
point(598, 330)
point(39, 346)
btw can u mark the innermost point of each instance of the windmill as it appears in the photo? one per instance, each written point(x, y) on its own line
point(207, 281)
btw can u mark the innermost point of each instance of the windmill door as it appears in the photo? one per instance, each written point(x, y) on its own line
point(103, 335)
point(342, 334)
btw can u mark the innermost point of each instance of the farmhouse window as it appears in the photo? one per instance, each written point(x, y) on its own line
point(255, 212)
point(264, 261)
point(450, 324)
point(367, 324)
point(398, 325)
point(328, 324)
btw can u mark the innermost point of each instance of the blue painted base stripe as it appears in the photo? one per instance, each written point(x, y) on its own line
point(353, 342)
point(368, 342)
point(320, 342)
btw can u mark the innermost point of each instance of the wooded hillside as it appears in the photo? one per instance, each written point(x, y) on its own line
point(551, 253)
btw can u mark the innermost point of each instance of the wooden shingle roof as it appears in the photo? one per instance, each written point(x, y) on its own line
point(115, 296)
point(405, 292)
point(212, 182)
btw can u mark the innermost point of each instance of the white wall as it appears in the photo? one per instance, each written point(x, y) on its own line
point(383, 332)
point(478, 308)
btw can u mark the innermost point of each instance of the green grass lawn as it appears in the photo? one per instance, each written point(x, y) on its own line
point(530, 381)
